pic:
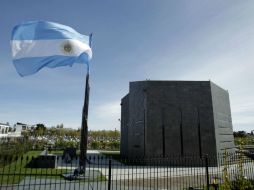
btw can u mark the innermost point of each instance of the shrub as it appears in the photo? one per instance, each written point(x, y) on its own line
point(240, 182)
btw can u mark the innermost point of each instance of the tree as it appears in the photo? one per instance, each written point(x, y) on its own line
point(241, 134)
point(52, 131)
point(114, 145)
point(95, 145)
point(61, 126)
point(40, 129)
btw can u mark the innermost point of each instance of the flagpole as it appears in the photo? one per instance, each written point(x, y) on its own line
point(84, 128)
point(84, 124)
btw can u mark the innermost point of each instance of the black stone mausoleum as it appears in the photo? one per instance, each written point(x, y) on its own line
point(164, 118)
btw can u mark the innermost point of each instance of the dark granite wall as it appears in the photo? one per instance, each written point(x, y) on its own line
point(175, 118)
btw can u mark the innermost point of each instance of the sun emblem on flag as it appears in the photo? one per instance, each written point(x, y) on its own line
point(67, 48)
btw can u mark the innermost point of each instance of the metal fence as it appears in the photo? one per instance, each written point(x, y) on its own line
point(173, 172)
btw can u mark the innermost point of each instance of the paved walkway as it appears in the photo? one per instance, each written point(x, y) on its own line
point(120, 171)
point(47, 184)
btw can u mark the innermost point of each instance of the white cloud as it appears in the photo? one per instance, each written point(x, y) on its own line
point(105, 116)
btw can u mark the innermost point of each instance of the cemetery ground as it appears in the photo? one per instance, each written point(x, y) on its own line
point(121, 174)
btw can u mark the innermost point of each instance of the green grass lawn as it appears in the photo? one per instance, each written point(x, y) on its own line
point(16, 171)
point(56, 152)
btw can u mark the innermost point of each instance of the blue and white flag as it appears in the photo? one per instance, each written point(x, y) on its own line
point(38, 44)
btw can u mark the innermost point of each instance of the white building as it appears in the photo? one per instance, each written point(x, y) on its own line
point(19, 127)
point(7, 133)
point(4, 128)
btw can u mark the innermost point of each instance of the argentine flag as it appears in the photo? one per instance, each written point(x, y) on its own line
point(38, 44)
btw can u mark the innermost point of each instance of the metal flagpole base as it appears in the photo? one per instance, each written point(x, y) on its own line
point(77, 174)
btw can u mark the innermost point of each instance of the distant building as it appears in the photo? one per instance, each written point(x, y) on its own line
point(19, 127)
point(164, 118)
point(7, 133)
point(4, 129)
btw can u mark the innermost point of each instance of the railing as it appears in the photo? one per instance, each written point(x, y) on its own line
point(173, 172)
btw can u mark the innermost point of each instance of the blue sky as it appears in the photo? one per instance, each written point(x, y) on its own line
point(133, 40)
